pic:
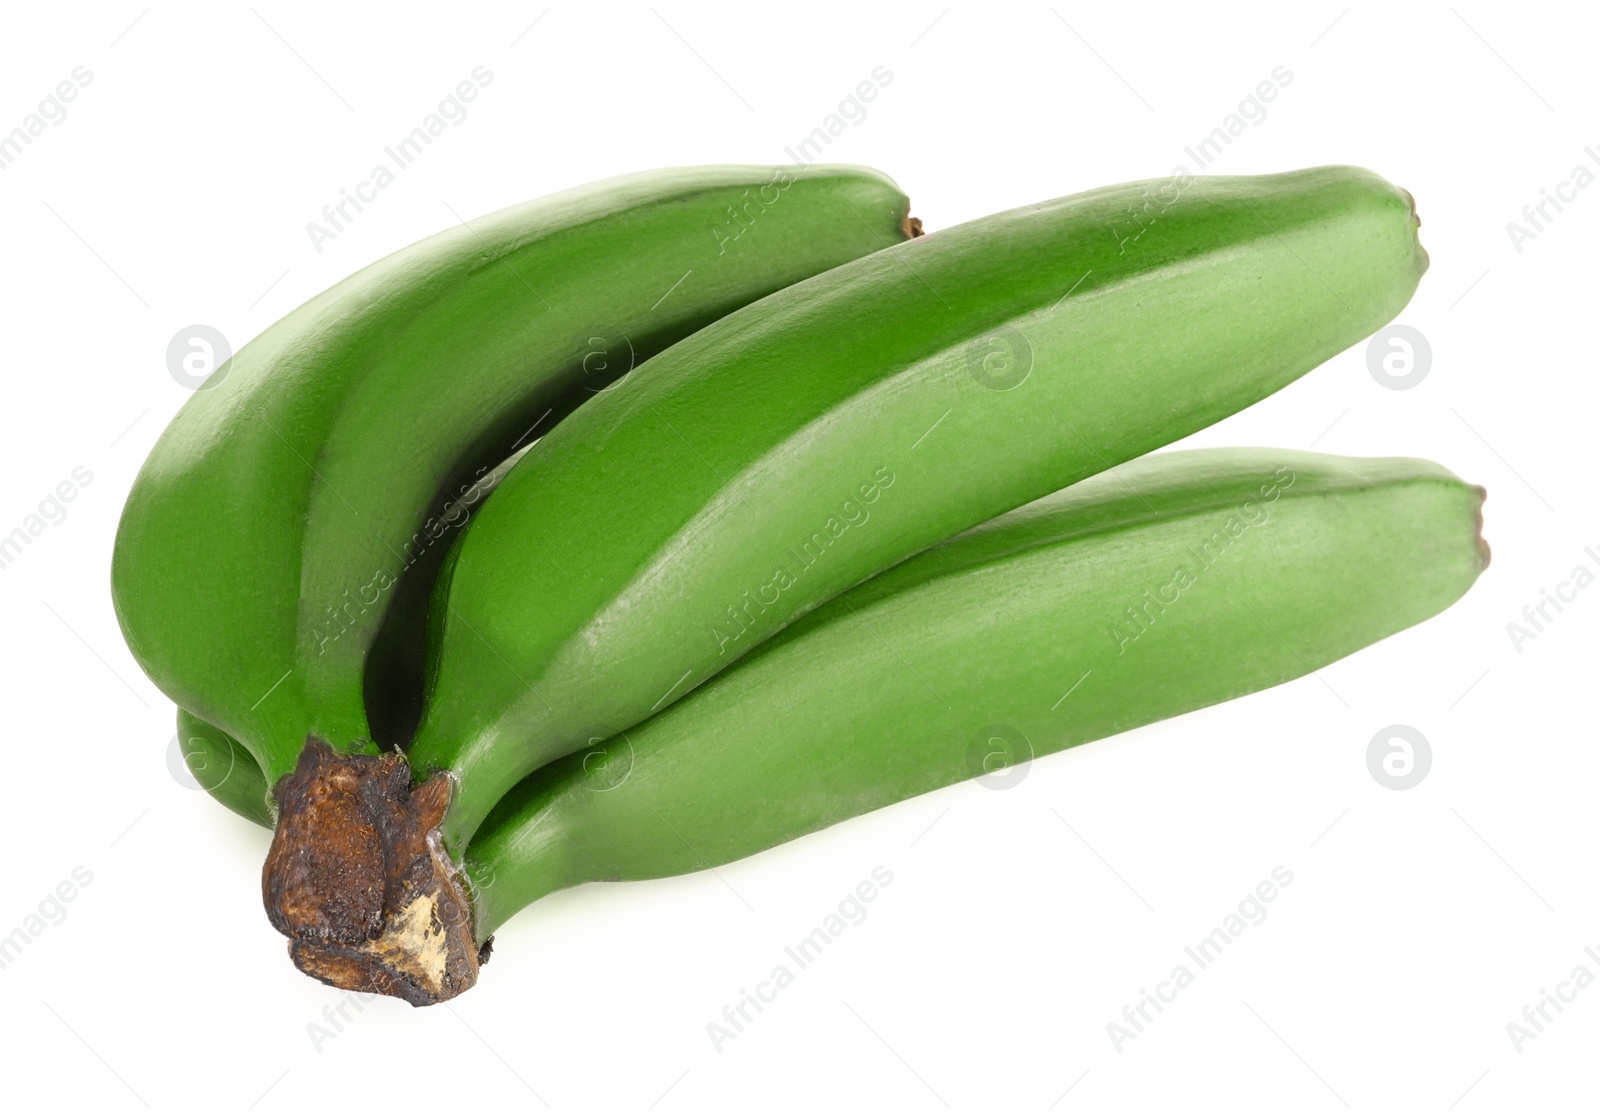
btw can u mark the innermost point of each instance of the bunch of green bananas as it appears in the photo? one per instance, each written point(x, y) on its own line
point(833, 515)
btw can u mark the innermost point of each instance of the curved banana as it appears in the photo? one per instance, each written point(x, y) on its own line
point(304, 491)
point(224, 768)
point(802, 444)
point(1166, 585)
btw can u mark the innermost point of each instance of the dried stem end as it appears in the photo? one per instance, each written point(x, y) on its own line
point(359, 881)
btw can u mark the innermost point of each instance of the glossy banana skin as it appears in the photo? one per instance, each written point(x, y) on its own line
point(224, 768)
point(262, 548)
point(823, 434)
point(957, 662)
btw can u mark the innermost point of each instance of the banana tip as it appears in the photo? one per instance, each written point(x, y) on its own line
point(1477, 527)
point(1416, 223)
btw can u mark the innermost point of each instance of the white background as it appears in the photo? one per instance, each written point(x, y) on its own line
point(1419, 923)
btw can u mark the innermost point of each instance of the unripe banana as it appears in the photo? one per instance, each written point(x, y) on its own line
point(224, 768)
point(1166, 585)
point(812, 439)
point(262, 548)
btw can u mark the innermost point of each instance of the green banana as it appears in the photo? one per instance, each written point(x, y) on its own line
point(800, 445)
point(224, 768)
point(1171, 583)
point(796, 447)
point(1166, 585)
point(260, 556)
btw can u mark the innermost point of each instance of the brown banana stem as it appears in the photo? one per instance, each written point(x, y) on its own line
point(359, 881)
